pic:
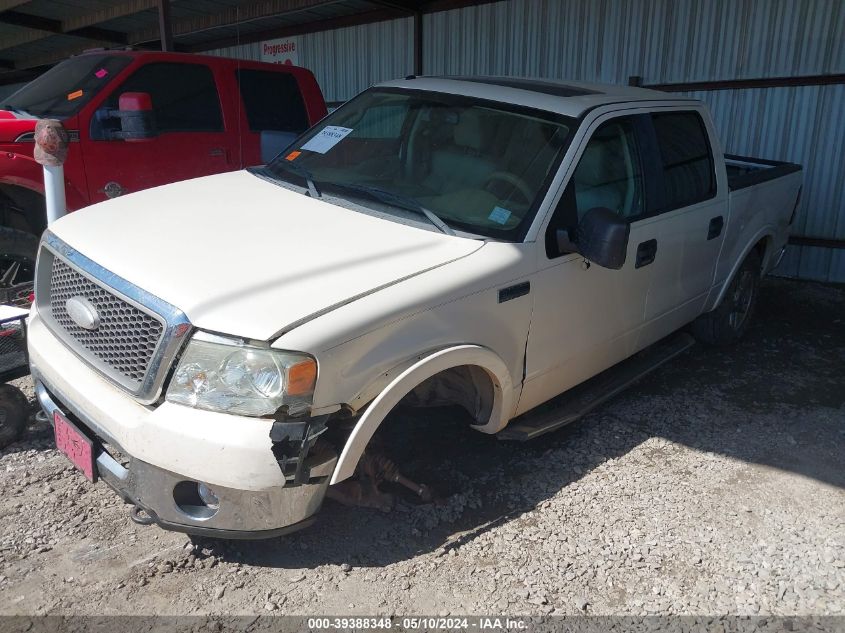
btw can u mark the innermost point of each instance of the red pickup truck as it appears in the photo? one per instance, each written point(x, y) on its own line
point(138, 120)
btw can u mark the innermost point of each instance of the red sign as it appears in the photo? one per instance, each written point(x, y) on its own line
point(78, 448)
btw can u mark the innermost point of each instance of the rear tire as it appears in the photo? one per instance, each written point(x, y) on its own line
point(727, 323)
point(13, 413)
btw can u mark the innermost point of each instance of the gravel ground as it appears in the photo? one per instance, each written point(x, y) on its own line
point(715, 486)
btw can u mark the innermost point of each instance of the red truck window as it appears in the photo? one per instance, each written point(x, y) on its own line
point(184, 96)
point(272, 100)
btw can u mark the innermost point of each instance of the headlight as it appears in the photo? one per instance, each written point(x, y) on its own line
point(222, 374)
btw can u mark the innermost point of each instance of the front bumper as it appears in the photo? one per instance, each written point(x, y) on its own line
point(241, 514)
point(146, 454)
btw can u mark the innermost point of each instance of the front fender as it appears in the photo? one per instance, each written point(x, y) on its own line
point(423, 368)
point(23, 171)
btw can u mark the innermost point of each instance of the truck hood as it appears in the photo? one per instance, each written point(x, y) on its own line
point(243, 256)
point(12, 125)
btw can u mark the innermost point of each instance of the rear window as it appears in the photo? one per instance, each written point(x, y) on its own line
point(272, 101)
point(688, 174)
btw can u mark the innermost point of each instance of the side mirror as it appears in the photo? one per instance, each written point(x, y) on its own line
point(137, 119)
point(602, 238)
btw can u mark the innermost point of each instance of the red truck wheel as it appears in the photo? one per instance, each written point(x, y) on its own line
point(13, 413)
point(17, 265)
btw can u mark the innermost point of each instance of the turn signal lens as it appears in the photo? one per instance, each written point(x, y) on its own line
point(302, 377)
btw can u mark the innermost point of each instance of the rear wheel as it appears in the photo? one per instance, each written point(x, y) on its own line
point(728, 322)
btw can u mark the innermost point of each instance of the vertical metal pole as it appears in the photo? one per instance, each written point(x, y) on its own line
point(164, 25)
point(51, 148)
point(54, 192)
point(418, 43)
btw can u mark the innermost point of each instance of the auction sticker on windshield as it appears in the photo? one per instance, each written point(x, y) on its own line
point(328, 137)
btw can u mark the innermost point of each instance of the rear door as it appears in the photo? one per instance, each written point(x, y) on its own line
point(192, 138)
point(691, 217)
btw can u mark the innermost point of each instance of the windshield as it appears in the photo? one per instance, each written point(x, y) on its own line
point(64, 89)
point(479, 166)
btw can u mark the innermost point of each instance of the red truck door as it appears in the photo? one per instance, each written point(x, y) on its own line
point(192, 138)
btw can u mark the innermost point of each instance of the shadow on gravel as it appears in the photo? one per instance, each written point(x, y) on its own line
point(777, 399)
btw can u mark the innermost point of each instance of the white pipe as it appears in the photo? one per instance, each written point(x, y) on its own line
point(54, 192)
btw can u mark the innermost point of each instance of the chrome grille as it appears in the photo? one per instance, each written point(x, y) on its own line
point(126, 339)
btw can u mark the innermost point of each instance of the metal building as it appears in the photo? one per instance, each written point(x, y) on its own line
point(717, 51)
point(772, 71)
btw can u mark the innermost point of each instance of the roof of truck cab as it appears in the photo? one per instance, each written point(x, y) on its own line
point(211, 60)
point(571, 98)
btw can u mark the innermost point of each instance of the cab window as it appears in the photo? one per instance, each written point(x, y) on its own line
point(609, 174)
point(184, 98)
point(686, 158)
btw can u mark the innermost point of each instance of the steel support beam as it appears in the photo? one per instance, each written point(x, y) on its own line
point(418, 43)
point(750, 84)
point(165, 25)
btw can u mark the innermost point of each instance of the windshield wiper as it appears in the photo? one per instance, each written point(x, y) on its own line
point(302, 172)
point(405, 202)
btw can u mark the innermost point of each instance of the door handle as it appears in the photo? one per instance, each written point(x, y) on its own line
point(646, 252)
point(715, 228)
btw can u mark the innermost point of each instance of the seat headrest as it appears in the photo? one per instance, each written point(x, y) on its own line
point(468, 131)
point(592, 168)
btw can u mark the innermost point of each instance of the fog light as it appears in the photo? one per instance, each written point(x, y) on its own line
point(208, 497)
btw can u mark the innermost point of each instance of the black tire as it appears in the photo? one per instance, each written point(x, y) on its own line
point(728, 322)
point(17, 247)
point(14, 408)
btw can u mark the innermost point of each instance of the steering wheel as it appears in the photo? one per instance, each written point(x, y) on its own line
point(514, 180)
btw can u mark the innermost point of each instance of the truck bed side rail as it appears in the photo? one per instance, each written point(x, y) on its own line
point(744, 171)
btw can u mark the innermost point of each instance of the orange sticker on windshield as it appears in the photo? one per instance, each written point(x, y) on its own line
point(292, 156)
point(75, 95)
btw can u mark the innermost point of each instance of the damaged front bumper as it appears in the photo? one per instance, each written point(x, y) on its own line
point(169, 499)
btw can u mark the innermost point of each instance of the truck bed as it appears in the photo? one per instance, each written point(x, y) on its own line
point(744, 171)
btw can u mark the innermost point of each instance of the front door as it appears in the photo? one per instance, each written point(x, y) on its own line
point(587, 318)
point(191, 139)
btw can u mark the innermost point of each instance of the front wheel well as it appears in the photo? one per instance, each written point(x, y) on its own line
point(22, 209)
point(468, 386)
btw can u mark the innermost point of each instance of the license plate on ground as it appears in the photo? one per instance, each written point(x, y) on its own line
point(73, 443)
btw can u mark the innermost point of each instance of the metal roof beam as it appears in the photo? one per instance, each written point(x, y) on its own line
point(40, 28)
point(392, 9)
point(247, 12)
point(5, 5)
point(119, 10)
point(329, 24)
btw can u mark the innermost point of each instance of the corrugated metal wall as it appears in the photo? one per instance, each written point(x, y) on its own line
point(347, 61)
point(663, 41)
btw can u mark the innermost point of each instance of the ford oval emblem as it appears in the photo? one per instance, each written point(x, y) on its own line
point(83, 312)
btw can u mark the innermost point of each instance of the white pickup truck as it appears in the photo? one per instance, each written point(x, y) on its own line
point(487, 242)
